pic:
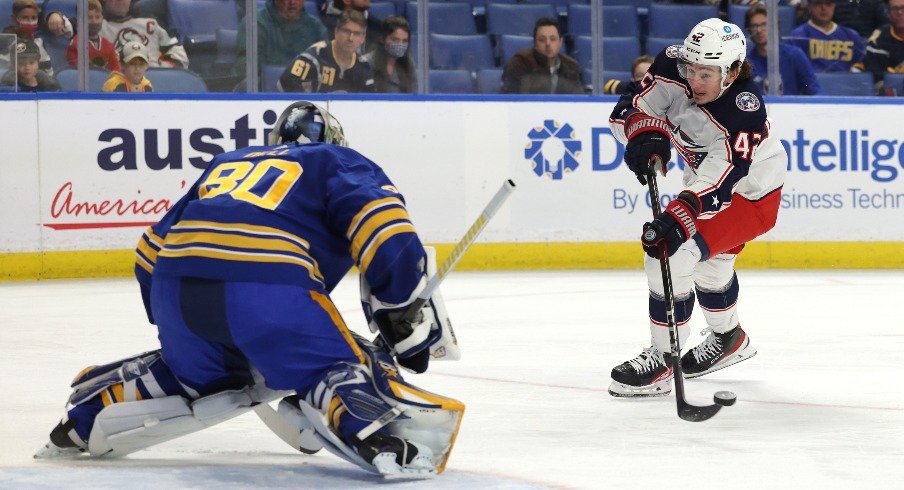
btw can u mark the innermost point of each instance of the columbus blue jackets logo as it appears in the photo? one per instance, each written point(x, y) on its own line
point(690, 151)
point(672, 51)
point(746, 101)
point(553, 149)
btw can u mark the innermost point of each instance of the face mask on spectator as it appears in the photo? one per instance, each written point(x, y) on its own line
point(28, 28)
point(94, 29)
point(396, 50)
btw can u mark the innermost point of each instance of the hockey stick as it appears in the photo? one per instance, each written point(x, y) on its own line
point(686, 411)
point(460, 248)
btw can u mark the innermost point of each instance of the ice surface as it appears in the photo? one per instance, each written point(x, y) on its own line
point(820, 406)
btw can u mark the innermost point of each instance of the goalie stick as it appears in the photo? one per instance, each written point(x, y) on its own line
point(289, 433)
point(686, 411)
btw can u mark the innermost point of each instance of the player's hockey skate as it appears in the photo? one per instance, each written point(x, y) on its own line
point(60, 445)
point(717, 351)
point(645, 375)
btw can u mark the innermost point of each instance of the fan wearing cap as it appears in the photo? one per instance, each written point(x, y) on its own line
point(134, 66)
point(699, 96)
point(28, 77)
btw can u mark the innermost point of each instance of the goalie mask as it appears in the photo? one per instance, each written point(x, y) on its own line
point(305, 122)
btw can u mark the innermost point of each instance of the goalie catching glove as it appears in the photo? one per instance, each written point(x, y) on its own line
point(413, 342)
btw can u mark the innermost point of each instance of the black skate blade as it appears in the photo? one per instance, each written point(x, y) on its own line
point(693, 413)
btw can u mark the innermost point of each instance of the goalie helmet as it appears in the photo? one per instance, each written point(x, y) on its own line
point(713, 42)
point(306, 122)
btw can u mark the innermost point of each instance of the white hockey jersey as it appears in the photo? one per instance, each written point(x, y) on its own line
point(163, 50)
point(733, 163)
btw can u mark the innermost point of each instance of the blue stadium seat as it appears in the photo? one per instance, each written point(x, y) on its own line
point(197, 21)
point(655, 45)
point(894, 82)
point(227, 50)
point(445, 18)
point(786, 17)
point(451, 82)
point(68, 79)
point(561, 6)
point(175, 80)
point(618, 52)
point(516, 18)
point(380, 10)
point(470, 53)
point(587, 76)
point(618, 20)
point(66, 7)
point(6, 12)
point(56, 47)
point(509, 44)
point(489, 80)
point(669, 20)
point(269, 76)
point(848, 84)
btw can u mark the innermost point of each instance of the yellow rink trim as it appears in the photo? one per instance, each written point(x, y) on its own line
point(506, 256)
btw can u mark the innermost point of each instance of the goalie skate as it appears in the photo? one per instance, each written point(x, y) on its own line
point(644, 376)
point(717, 351)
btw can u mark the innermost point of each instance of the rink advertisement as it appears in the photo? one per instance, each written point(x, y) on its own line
point(94, 185)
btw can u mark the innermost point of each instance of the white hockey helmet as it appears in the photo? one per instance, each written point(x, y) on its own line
point(306, 122)
point(713, 42)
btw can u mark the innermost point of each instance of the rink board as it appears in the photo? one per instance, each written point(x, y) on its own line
point(82, 177)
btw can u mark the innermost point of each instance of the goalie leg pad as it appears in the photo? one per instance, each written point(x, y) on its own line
point(360, 406)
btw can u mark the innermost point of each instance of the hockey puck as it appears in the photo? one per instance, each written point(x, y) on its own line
point(725, 398)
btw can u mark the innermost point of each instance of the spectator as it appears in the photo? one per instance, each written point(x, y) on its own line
point(334, 10)
point(392, 63)
point(830, 47)
point(28, 77)
point(101, 53)
point(121, 28)
point(542, 69)
point(333, 66)
point(885, 52)
point(863, 16)
point(639, 68)
point(25, 26)
point(284, 29)
point(134, 65)
point(796, 72)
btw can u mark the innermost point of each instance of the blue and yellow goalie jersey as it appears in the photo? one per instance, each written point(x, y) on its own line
point(293, 214)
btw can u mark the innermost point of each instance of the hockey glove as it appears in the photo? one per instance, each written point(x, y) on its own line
point(648, 137)
point(676, 225)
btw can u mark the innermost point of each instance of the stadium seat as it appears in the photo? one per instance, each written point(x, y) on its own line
point(786, 17)
point(618, 20)
point(489, 80)
point(470, 53)
point(197, 21)
point(670, 20)
point(516, 18)
point(445, 18)
point(655, 45)
point(68, 79)
point(451, 82)
point(269, 76)
point(509, 44)
point(618, 52)
point(561, 6)
point(6, 12)
point(56, 47)
point(66, 7)
point(842, 83)
point(175, 80)
point(380, 10)
point(622, 76)
point(227, 49)
point(894, 84)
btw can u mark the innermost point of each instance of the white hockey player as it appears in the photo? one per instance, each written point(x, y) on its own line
point(700, 97)
point(237, 276)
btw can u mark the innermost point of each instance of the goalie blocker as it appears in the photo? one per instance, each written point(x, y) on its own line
point(365, 413)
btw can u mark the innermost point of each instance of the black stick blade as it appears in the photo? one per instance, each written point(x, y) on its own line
point(693, 413)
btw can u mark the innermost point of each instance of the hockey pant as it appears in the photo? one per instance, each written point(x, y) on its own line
point(716, 286)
